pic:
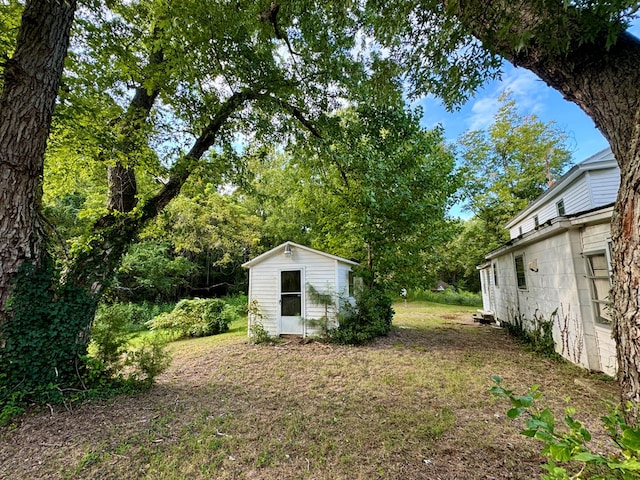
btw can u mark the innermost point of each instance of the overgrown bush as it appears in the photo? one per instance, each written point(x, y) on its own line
point(41, 336)
point(448, 297)
point(132, 317)
point(566, 448)
point(536, 333)
point(45, 358)
point(258, 335)
point(111, 335)
point(198, 317)
point(370, 318)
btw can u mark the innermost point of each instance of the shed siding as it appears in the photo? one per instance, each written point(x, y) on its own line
point(326, 275)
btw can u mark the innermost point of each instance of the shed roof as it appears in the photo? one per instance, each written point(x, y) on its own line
point(280, 250)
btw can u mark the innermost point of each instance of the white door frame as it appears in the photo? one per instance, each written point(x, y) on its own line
point(292, 325)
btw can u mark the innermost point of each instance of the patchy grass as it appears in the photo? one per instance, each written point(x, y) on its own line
point(412, 405)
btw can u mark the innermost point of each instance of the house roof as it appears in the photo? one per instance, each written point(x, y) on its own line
point(601, 160)
point(553, 227)
point(279, 250)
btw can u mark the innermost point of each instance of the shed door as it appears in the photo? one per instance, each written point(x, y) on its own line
point(291, 302)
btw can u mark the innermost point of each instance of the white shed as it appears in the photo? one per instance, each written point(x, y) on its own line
point(280, 282)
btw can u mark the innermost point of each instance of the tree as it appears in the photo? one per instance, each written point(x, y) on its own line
point(145, 77)
point(377, 191)
point(30, 79)
point(456, 260)
point(579, 48)
point(508, 165)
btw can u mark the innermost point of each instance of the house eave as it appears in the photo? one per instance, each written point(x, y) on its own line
point(601, 162)
point(554, 227)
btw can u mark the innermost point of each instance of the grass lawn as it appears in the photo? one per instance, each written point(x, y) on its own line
point(413, 405)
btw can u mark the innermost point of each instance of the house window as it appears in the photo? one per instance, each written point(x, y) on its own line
point(560, 207)
point(495, 274)
point(536, 221)
point(598, 275)
point(520, 272)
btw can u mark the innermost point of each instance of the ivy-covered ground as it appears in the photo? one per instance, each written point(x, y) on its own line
point(413, 405)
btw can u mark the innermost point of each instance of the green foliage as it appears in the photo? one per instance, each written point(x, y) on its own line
point(147, 360)
point(567, 451)
point(456, 259)
point(197, 318)
point(377, 190)
point(133, 316)
point(509, 165)
point(448, 297)
point(45, 360)
point(370, 318)
point(111, 336)
point(439, 45)
point(43, 338)
point(151, 271)
point(258, 335)
point(537, 333)
point(213, 231)
point(10, 12)
point(327, 300)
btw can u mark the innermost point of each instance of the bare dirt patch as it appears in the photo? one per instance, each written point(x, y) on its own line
point(412, 405)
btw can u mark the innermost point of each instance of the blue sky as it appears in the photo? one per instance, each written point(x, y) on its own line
point(532, 96)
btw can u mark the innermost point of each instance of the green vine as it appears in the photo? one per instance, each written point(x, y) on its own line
point(46, 334)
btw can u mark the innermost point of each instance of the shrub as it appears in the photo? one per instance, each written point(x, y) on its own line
point(566, 449)
point(133, 317)
point(197, 317)
point(448, 297)
point(370, 318)
point(536, 333)
point(258, 334)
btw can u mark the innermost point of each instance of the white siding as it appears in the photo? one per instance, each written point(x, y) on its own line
point(552, 288)
point(577, 197)
point(556, 276)
point(607, 350)
point(595, 238)
point(326, 275)
point(548, 211)
point(604, 186)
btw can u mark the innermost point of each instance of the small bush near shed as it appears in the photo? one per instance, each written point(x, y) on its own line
point(370, 318)
point(197, 318)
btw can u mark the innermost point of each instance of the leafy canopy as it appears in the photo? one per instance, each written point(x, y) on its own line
point(510, 164)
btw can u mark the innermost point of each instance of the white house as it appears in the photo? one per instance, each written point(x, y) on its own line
point(281, 282)
point(557, 264)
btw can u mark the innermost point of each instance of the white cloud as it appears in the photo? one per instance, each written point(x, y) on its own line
point(526, 88)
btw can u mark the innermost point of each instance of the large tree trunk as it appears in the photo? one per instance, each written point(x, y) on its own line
point(30, 86)
point(605, 84)
point(121, 179)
